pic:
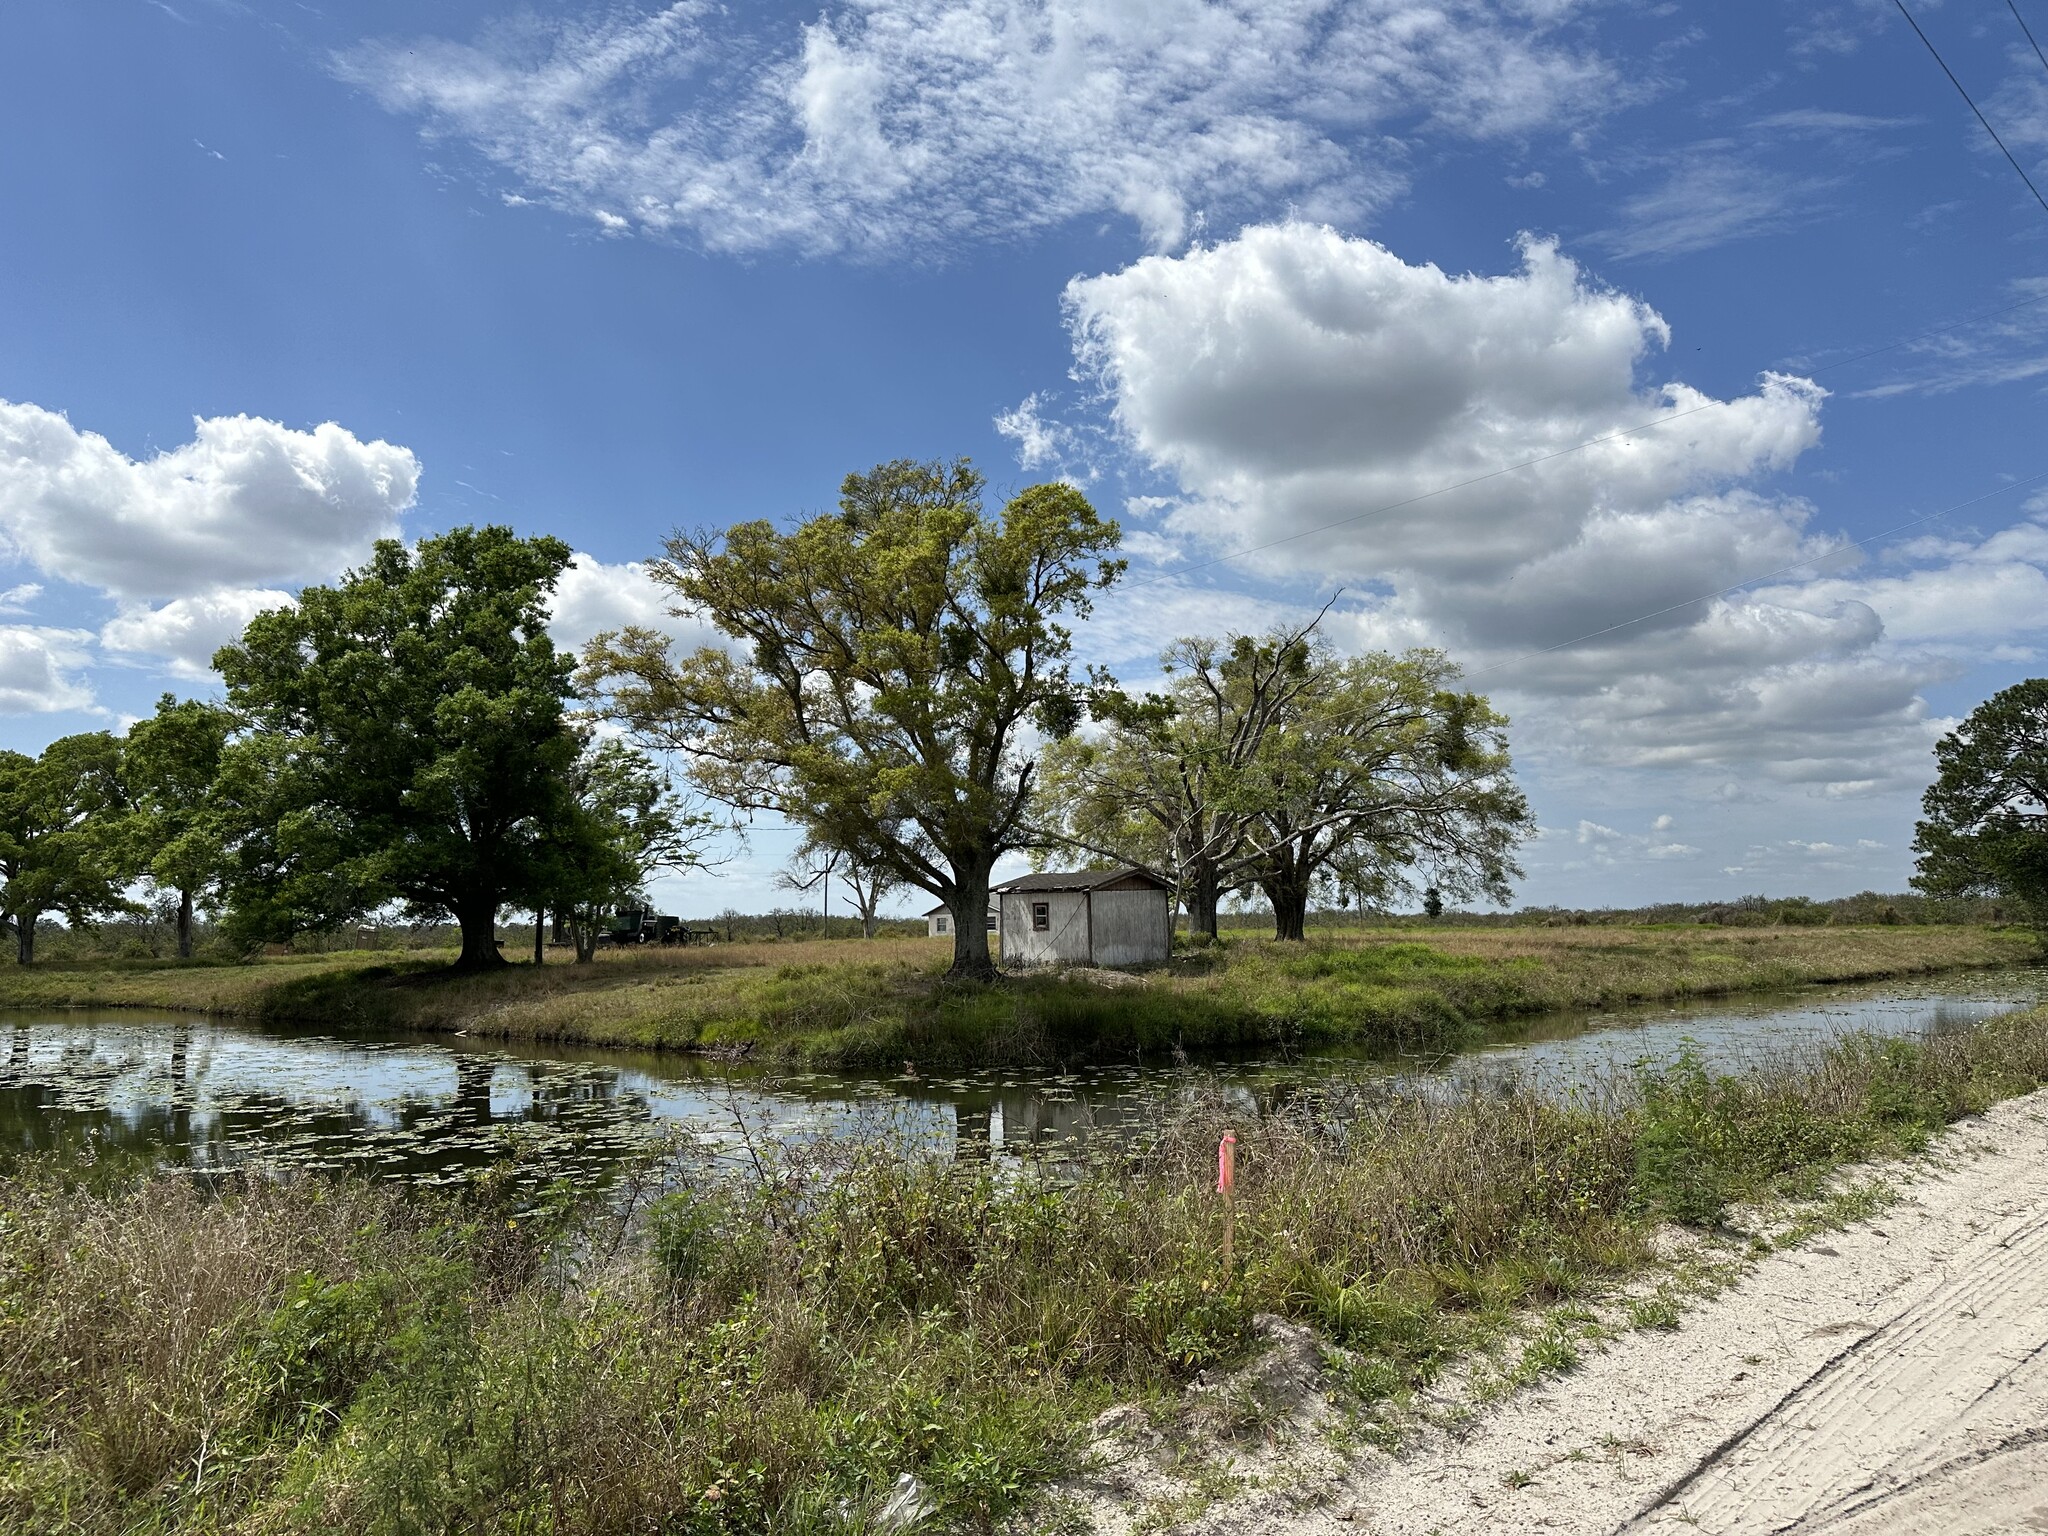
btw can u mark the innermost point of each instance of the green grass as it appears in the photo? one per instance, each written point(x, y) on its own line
point(852, 1004)
point(258, 1356)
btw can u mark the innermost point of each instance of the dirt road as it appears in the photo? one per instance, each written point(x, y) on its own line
point(1891, 1378)
point(1888, 1379)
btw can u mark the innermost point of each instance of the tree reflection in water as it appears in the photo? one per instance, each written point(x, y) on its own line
point(209, 1092)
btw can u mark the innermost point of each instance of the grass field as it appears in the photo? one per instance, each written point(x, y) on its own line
point(299, 1357)
point(852, 1003)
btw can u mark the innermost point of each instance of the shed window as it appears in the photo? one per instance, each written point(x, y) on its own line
point(942, 924)
point(991, 922)
point(1041, 916)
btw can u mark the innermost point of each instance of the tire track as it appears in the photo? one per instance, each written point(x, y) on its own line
point(1950, 1391)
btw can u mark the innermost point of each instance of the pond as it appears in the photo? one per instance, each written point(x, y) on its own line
point(435, 1109)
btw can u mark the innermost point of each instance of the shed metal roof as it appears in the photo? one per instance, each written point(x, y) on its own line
point(1080, 880)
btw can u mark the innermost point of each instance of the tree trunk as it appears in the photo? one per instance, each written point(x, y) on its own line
point(540, 953)
point(184, 925)
point(867, 922)
point(559, 931)
point(25, 938)
point(473, 1090)
point(479, 923)
point(969, 901)
point(1290, 907)
point(1204, 895)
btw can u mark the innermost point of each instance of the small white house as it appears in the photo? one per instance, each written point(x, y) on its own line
point(1086, 917)
point(938, 923)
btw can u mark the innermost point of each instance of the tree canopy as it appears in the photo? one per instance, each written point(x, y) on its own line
point(1385, 758)
point(1274, 762)
point(623, 824)
point(173, 829)
point(889, 655)
point(407, 741)
point(59, 846)
point(1174, 783)
point(1984, 831)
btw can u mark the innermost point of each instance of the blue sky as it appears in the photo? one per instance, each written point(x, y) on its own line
point(600, 271)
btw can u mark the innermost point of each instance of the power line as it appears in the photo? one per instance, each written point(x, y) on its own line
point(2016, 16)
point(1952, 80)
point(1938, 330)
point(1592, 442)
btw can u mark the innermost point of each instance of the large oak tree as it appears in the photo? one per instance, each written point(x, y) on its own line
point(173, 831)
point(889, 657)
point(1274, 762)
point(1985, 831)
point(1387, 768)
point(60, 818)
point(407, 741)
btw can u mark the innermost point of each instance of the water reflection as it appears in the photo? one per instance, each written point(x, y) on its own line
point(438, 1109)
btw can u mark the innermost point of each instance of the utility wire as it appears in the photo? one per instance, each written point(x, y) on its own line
point(2016, 16)
point(1545, 458)
point(1952, 80)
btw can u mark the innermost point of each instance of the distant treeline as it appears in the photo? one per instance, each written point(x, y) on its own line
point(1864, 908)
point(154, 935)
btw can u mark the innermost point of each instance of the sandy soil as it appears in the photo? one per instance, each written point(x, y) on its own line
point(1888, 1379)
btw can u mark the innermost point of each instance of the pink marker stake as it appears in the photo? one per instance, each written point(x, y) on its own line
point(1226, 1185)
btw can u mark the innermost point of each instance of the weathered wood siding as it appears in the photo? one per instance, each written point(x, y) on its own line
point(1064, 943)
point(1130, 926)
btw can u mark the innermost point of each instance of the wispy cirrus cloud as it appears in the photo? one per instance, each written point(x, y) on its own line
point(895, 128)
point(1709, 195)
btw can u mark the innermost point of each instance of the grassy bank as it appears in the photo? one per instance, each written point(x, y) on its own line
point(341, 1358)
point(855, 1004)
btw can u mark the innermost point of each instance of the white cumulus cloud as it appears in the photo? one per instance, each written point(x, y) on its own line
point(1311, 396)
point(186, 631)
point(247, 502)
point(593, 596)
point(39, 669)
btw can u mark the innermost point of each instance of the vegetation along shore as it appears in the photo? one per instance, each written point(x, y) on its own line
point(776, 1354)
point(879, 1004)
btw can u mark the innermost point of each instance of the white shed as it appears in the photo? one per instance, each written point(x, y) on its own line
point(938, 923)
point(1086, 917)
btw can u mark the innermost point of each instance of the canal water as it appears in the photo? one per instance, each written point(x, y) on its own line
point(434, 1109)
